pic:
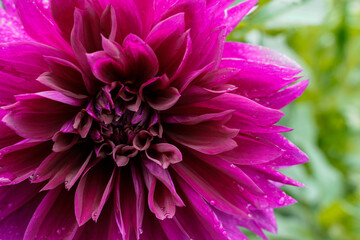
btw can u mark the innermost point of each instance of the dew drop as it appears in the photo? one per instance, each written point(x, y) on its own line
point(224, 233)
point(232, 165)
point(281, 201)
point(212, 202)
point(140, 231)
point(250, 215)
point(59, 231)
point(33, 177)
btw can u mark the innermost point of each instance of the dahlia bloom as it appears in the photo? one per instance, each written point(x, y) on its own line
point(134, 119)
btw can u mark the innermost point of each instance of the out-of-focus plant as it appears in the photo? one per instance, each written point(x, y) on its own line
point(324, 37)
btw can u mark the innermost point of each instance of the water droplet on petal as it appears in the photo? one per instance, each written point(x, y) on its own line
point(140, 231)
point(59, 231)
point(250, 215)
point(212, 202)
point(281, 201)
point(232, 165)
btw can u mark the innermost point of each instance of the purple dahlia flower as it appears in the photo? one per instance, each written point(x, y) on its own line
point(134, 119)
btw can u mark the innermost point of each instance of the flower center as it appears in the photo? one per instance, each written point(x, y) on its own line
point(123, 125)
point(119, 124)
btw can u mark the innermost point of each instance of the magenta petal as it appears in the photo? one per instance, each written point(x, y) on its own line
point(164, 154)
point(232, 223)
point(65, 77)
point(284, 97)
point(292, 155)
point(209, 192)
point(170, 27)
point(127, 12)
point(172, 230)
point(208, 218)
point(10, 28)
point(105, 68)
point(209, 138)
point(140, 199)
point(262, 71)
point(104, 228)
point(11, 85)
point(92, 193)
point(27, 59)
point(63, 14)
point(236, 14)
point(141, 56)
point(199, 118)
point(54, 218)
point(57, 165)
point(244, 109)
point(13, 227)
point(9, 197)
point(108, 23)
point(8, 136)
point(162, 198)
point(158, 94)
point(231, 170)
point(258, 54)
point(36, 117)
point(44, 30)
point(21, 159)
point(152, 229)
point(75, 173)
point(251, 151)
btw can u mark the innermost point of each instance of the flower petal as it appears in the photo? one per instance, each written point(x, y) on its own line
point(236, 13)
point(39, 25)
point(164, 154)
point(14, 226)
point(37, 117)
point(162, 198)
point(207, 137)
point(10, 28)
point(92, 192)
point(54, 217)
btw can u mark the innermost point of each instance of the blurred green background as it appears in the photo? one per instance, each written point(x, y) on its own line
point(323, 36)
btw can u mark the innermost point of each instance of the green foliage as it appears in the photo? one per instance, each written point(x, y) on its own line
point(323, 36)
